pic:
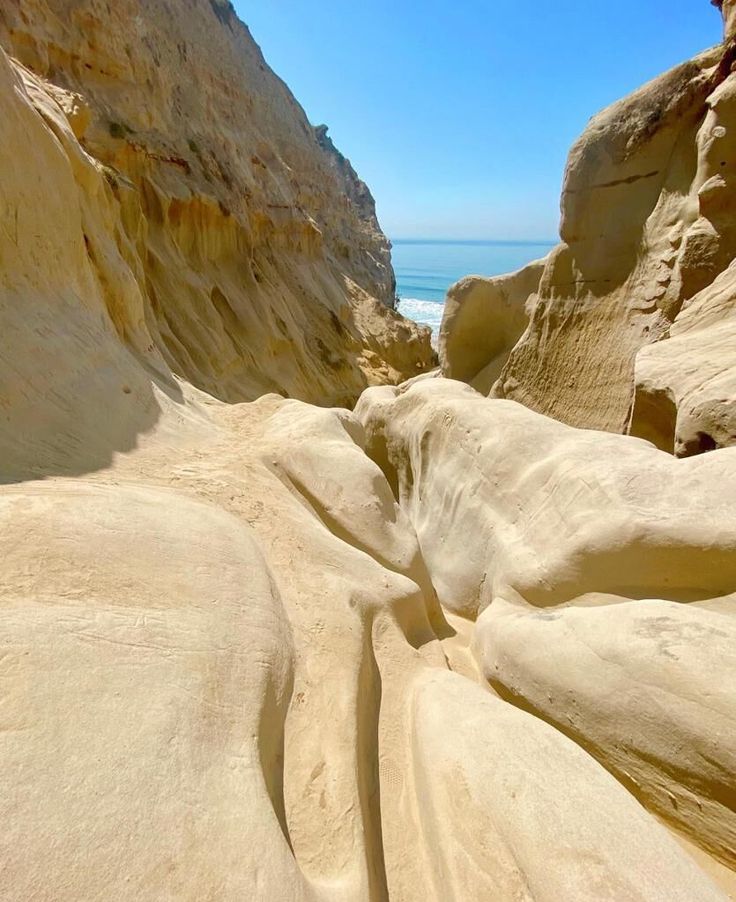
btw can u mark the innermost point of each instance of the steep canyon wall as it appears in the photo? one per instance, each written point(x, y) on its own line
point(225, 243)
point(437, 647)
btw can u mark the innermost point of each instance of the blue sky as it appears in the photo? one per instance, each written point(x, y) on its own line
point(459, 113)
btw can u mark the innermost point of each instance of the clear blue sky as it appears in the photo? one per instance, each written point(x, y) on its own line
point(459, 113)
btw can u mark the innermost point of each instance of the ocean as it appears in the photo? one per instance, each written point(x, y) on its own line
point(426, 269)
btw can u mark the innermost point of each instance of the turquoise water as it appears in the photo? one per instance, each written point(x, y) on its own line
point(426, 269)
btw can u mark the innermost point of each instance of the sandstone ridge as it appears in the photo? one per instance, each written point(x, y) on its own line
point(439, 647)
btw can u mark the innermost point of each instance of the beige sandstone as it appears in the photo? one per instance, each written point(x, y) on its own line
point(524, 788)
point(217, 228)
point(228, 722)
point(596, 567)
point(274, 651)
point(685, 396)
point(482, 321)
point(648, 206)
point(728, 8)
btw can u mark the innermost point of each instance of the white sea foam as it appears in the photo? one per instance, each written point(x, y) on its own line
point(427, 312)
point(426, 269)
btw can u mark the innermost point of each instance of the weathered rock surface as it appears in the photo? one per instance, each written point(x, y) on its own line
point(482, 322)
point(685, 396)
point(597, 568)
point(648, 207)
point(728, 8)
point(497, 763)
point(245, 260)
point(227, 632)
point(272, 722)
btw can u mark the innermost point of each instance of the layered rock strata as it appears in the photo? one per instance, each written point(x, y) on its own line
point(223, 240)
point(441, 647)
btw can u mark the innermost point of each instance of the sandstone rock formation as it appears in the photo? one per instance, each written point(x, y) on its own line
point(597, 572)
point(686, 386)
point(728, 8)
point(227, 721)
point(215, 227)
point(441, 647)
point(482, 321)
point(648, 207)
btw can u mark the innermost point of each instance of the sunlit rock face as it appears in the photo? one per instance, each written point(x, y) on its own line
point(728, 8)
point(599, 572)
point(440, 647)
point(254, 265)
point(648, 208)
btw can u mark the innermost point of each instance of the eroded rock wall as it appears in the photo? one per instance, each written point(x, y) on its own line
point(728, 7)
point(227, 677)
point(482, 321)
point(253, 265)
point(599, 574)
point(270, 650)
point(686, 386)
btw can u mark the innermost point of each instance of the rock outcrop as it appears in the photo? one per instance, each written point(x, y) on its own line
point(647, 228)
point(226, 677)
point(600, 574)
point(218, 232)
point(482, 321)
point(728, 8)
point(686, 386)
point(440, 647)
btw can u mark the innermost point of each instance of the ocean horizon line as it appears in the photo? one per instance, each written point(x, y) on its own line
point(480, 242)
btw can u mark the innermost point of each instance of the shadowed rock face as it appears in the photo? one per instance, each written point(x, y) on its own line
point(258, 264)
point(647, 228)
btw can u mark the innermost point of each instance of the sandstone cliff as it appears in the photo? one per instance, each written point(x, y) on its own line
point(647, 227)
point(440, 647)
point(222, 239)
